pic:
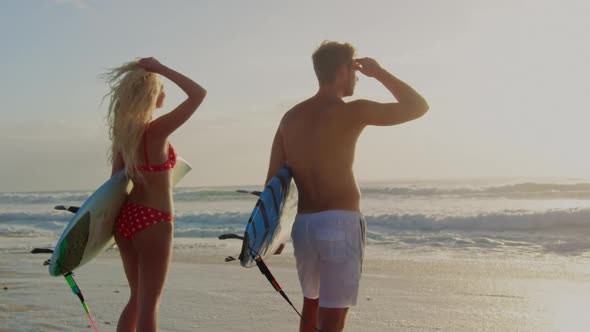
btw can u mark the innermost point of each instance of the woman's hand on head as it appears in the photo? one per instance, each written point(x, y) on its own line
point(150, 64)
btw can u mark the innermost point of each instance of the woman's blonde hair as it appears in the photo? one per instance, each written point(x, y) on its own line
point(133, 96)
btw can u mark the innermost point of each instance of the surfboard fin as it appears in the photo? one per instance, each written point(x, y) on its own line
point(279, 249)
point(72, 209)
point(42, 251)
point(230, 236)
point(255, 192)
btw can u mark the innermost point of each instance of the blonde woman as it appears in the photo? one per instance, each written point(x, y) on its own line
point(140, 145)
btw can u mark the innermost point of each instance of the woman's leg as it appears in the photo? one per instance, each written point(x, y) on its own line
point(154, 249)
point(128, 319)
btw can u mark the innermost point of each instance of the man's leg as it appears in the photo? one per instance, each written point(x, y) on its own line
point(332, 319)
point(310, 315)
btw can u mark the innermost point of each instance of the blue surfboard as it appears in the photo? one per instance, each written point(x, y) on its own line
point(270, 223)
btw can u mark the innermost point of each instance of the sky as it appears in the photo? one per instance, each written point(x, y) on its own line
point(506, 82)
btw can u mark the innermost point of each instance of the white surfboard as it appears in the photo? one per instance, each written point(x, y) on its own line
point(90, 231)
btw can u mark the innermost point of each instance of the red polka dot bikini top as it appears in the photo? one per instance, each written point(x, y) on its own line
point(169, 164)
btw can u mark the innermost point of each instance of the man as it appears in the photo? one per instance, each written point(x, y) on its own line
point(317, 139)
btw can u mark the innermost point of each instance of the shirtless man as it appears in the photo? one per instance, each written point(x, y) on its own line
point(317, 139)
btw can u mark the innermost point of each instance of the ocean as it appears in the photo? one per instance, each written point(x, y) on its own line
point(483, 216)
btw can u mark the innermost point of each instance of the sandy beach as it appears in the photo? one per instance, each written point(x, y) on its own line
point(412, 292)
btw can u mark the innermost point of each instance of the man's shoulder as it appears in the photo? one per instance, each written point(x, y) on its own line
point(289, 114)
point(293, 111)
point(300, 106)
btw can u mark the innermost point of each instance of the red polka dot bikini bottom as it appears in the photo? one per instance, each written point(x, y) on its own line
point(134, 218)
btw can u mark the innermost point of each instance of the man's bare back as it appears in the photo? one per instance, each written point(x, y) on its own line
point(319, 142)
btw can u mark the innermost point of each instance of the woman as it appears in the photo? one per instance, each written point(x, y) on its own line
point(144, 229)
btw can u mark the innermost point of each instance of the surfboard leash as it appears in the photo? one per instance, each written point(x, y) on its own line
point(273, 281)
point(70, 277)
point(74, 286)
point(71, 282)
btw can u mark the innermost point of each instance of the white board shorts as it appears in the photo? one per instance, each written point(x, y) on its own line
point(329, 248)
